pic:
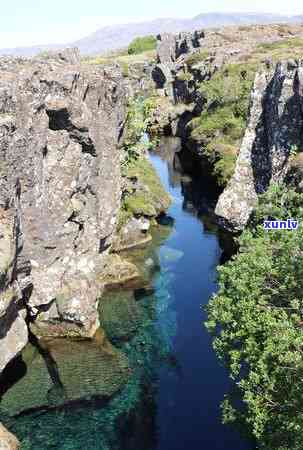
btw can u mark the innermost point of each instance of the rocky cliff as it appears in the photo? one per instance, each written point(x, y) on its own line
point(273, 134)
point(60, 125)
point(13, 329)
point(204, 80)
point(171, 54)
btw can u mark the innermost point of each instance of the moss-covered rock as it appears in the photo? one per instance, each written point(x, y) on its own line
point(118, 272)
point(149, 197)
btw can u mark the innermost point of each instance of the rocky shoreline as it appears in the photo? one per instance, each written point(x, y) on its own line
point(60, 194)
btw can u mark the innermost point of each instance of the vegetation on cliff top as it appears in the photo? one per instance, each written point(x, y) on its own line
point(257, 318)
point(142, 44)
point(222, 124)
point(123, 58)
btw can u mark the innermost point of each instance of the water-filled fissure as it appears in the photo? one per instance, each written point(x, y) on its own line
point(154, 383)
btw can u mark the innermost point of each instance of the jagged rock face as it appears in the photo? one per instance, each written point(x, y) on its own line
point(274, 130)
point(13, 329)
point(170, 51)
point(170, 46)
point(178, 79)
point(60, 125)
point(7, 440)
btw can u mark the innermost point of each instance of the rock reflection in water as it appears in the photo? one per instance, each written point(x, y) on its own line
point(199, 191)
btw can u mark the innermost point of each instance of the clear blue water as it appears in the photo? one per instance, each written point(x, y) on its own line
point(189, 401)
point(176, 384)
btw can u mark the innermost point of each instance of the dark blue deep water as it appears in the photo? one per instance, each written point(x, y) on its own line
point(189, 400)
point(171, 399)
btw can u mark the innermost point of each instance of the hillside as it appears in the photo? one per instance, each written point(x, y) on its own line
point(118, 36)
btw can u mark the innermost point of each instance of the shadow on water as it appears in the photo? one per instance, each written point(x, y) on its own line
point(158, 372)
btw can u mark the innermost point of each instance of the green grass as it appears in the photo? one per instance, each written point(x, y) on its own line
point(197, 57)
point(142, 44)
point(124, 60)
point(120, 58)
point(222, 124)
point(281, 45)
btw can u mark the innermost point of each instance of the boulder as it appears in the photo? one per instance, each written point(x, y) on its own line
point(7, 440)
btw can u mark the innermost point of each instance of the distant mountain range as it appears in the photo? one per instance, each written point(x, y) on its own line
point(119, 36)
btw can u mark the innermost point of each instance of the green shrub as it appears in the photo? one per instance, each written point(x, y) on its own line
point(142, 44)
point(139, 114)
point(257, 318)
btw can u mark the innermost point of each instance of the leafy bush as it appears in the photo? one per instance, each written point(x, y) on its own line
point(142, 44)
point(139, 114)
point(257, 318)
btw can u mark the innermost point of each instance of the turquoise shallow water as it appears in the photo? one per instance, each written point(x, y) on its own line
point(170, 382)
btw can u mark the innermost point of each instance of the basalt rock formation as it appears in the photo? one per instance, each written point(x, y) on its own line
point(273, 134)
point(171, 50)
point(13, 329)
point(60, 124)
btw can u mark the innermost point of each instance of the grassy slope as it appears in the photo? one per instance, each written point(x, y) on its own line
point(221, 127)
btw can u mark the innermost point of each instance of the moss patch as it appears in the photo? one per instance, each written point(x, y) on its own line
point(153, 191)
point(197, 57)
point(222, 124)
point(121, 58)
point(138, 204)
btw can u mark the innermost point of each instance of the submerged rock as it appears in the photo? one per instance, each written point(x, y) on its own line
point(170, 255)
point(7, 440)
point(274, 131)
point(64, 371)
point(133, 234)
point(120, 315)
point(118, 272)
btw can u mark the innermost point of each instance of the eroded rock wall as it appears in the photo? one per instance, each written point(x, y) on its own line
point(273, 133)
point(13, 287)
point(60, 124)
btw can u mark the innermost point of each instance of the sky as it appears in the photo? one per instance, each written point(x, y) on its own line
point(32, 22)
